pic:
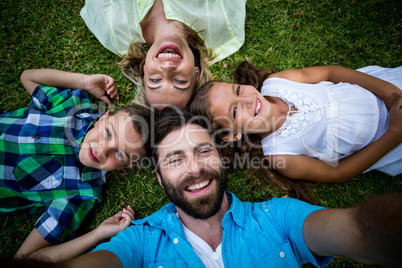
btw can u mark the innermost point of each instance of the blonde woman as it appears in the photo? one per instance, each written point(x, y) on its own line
point(167, 45)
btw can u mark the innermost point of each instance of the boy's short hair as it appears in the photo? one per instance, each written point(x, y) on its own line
point(142, 118)
point(171, 119)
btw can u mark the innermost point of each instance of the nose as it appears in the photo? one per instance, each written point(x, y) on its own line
point(245, 101)
point(194, 167)
point(167, 65)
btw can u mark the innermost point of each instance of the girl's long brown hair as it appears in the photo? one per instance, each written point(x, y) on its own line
point(243, 150)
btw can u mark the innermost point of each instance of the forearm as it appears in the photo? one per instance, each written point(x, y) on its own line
point(57, 78)
point(68, 250)
point(360, 161)
point(311, 169)
point(383, 89)
point(370, 233)
point(380, 220)
point(53, 78)
point(336, 74)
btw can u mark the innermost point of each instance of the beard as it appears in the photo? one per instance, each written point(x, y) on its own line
point(200, 208)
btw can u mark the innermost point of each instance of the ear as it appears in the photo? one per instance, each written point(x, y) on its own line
point(198, 73)
point(159, 178)
point(103, 117)
point(232, 137)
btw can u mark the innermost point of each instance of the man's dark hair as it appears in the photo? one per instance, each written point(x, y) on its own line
point(141, 117)
point(171, 119)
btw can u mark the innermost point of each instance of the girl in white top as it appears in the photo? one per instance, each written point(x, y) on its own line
point(162, 41)
point(320, 123)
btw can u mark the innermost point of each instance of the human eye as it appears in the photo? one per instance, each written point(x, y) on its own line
point(238, 90)
point(154, 80)
point(181, 82)
point(204, 152)
point(175, 161)
point(108, 134)
point(120, 156)
point(234, 112)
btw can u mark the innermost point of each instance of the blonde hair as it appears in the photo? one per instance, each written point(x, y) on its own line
point(133, 63)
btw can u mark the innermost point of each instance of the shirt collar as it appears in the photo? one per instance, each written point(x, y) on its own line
point(168, 213)
point(236, 210)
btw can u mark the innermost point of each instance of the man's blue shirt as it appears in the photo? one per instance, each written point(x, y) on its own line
point(267, 234)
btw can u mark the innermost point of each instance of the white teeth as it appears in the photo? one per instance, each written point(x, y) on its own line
point(168, 55)
point(258, 107)
point(198, 186)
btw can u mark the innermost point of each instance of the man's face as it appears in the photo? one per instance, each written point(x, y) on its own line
point(112, 143)
point(190, 171)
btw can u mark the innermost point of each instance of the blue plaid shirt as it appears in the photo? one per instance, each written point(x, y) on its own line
point(39, 165)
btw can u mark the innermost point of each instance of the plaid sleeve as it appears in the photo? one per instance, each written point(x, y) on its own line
point(63, 217)
point(47, 98)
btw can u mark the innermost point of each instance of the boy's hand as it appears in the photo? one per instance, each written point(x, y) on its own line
point(102, 86)
point(111, 226)
point(395, 118)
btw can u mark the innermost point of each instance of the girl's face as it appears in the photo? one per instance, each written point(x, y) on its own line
point(170, 74)
point(240, 109)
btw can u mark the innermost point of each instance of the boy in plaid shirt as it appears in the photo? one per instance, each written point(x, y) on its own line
point(54, 155)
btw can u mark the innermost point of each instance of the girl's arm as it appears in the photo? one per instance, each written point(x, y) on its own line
point(308, 168)
point(99, 85)
point(77, 246)
point(386, 91)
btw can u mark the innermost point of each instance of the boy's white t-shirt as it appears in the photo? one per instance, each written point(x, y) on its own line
point(209, 257)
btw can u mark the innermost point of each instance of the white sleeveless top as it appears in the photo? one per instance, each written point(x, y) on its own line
point(332, 121)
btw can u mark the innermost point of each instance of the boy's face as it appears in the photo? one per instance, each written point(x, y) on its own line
point(112, 143)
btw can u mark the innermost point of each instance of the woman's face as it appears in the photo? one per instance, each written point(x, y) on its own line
point(239, 108)
point(169, 72)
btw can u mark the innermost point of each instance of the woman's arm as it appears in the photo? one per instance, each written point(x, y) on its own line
point(99, 85)
point(386, 91)
point(308, 168)
point(32, 249)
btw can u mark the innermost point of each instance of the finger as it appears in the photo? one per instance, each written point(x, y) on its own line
point(112, 92)
point(130, 208)
point(105, 99)
point(128, 218)
point(110, 82)
point(128, 212)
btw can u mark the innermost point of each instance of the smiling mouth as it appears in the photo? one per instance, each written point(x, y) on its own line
point(258, 107)
point(92, 155)
point(198, 186)
point(169, 52)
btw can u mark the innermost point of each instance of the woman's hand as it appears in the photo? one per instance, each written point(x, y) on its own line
point(113, 225)
point(102, 86)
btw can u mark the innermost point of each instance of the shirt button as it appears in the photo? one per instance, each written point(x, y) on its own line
point(282, 254)
point(160, 266)
point(176, 241)
point(36, 137)
point(72, 142)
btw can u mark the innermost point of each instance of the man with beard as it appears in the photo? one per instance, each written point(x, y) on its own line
point(206, 226)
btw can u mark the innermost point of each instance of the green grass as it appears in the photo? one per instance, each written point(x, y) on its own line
point(279, 34)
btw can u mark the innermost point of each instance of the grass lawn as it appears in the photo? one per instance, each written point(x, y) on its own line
point(279, 34)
